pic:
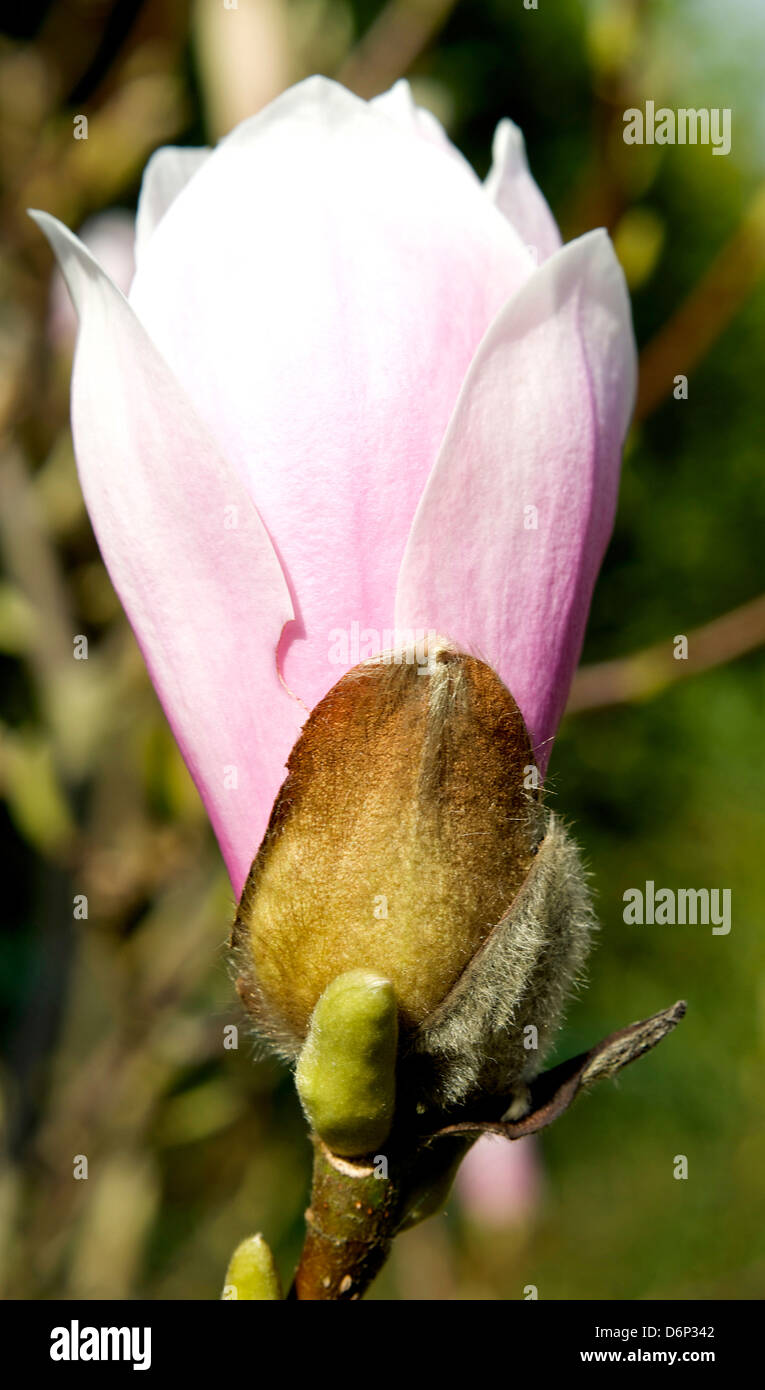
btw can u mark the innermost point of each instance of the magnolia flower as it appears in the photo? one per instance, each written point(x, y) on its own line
point(354, 393)
point(351, 384)
point(499, 1184)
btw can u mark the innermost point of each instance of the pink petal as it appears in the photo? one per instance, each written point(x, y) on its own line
point(499, 1183)
point(199, 581)
point(539, 424)
point(511, 186)
point(319, 288)
point(167, 172)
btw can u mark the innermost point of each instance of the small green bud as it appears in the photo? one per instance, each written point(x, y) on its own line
point(346, 1074)
point(252, 1274)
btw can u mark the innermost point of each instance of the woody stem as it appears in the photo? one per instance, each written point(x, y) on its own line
point(349, 1228)
point(358, 1207)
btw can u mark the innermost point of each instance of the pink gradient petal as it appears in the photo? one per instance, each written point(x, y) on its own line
point(199, 582)
point(319, 288)
point(511, 186)
point(499, 1183)
point(539, 423)
point(166, 174)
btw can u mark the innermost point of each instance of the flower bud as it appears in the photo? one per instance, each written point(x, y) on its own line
point(251, 1275)
point(408, 839)
point(346, 1075)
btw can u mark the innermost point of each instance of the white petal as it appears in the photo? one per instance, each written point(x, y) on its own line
point(511, 187)
point(319, 288)
point(165, 176)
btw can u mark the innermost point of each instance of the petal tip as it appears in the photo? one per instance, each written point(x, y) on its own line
point(509, 140)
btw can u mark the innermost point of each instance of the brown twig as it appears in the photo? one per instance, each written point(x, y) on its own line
point(552, 1092)
point(646, 673)
point(388, 49)
point(349, 1229)
point(685, 338)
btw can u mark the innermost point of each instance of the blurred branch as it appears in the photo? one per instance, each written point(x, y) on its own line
point(682, 342)
point(646, 673)
point(32, 562)
point(398, 36)
point(245, 59)
point(75, 176)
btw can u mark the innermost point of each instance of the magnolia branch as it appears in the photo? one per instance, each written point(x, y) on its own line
point(354, 1217)
point(652, 670)
point(687, 336)
point(388, 49)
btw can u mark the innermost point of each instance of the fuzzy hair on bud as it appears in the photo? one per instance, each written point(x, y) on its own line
point(408, 840)
point(399, 839)
point(477, 1040)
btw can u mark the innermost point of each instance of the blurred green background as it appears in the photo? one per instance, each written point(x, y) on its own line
point(112, 1027)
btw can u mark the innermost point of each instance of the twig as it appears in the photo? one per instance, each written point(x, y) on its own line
point(646, 673)
point(685, 338)
point(388, 49)
point(356, 1210)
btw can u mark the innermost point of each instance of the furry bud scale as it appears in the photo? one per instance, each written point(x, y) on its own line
point(409, 840)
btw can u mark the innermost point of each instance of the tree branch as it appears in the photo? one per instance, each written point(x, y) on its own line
point(646, 673)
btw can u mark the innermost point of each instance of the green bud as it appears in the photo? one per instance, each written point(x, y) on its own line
point(252, 1274)
point(347, 1068)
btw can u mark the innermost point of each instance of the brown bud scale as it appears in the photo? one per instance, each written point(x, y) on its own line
point(401, 836)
